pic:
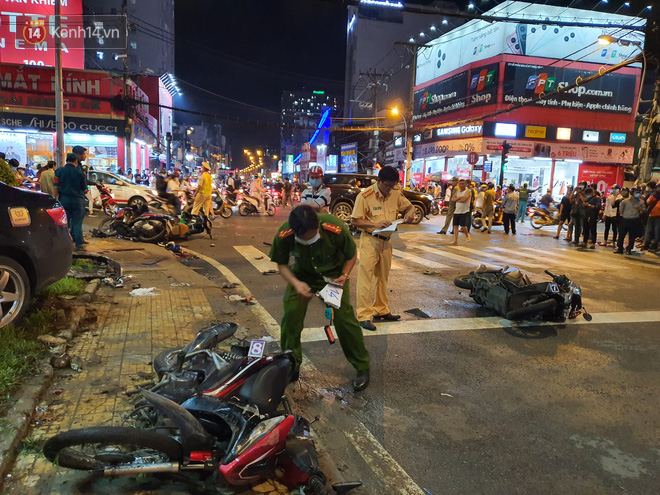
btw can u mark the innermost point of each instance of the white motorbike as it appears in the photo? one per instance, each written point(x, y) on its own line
point(250, 206)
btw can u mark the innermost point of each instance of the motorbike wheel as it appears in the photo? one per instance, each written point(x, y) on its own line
point(271, 210)
point(165, 362)
point(160, 232)
point(107, 227)
point(104, 447)
point(226, 212)
point(108, 209)
point(463, 282)
point(435, 210)
point(243, 210)
point(536, 222)
point(477, 223)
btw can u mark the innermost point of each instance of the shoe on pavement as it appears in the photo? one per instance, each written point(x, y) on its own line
point(591, 245)
point(367, 325)
point(387, 317)
point(618, 251)
point(442, 232)
point(628, 252)
point(361, 381)
point(85, 242)
point(514, 233)
point(81, 248)
point(91, 214)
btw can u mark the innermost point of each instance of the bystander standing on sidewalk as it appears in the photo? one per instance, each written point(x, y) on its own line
point(510, 208)
point(579, 213)
point(652, 235)
point(47, 179)
point(610, 216)
point(451, 204)
point(630, 209)
point(489, 208)
point(71, 188)
point(593, 205)
point(523, 196)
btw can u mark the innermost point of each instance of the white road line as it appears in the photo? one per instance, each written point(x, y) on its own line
point(257, 258)
point(506, 259)
point(537, 256)
point(601, 260)
point(396, 476)
point(486, 323)
point(440, 252)
point(380, 460)
point(417, 259)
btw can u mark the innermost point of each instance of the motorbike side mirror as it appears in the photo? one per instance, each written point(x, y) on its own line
point(587, 316)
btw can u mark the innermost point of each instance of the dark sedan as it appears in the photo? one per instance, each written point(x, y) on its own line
point(344, 188)
point(35, 248)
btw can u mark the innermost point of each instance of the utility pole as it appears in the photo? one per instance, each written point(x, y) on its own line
point(651, 125)
point(59, 93)
point(127, 125)
point(377, 80)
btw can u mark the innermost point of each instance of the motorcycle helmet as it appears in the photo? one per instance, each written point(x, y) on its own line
point(315, 171)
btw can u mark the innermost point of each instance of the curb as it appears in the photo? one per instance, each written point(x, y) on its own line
point(25, 401)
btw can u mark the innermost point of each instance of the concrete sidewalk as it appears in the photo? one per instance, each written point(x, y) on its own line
point(131, 331)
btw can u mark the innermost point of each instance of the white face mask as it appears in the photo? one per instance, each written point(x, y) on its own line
point(315, 182)
point(308, 242)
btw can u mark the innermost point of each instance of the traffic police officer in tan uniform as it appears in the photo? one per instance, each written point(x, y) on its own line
point(377, 207)
point(322, 247)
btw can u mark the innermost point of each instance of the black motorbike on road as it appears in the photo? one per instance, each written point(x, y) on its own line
point(511, 294)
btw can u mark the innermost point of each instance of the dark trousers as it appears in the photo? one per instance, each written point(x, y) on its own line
point(509, 221)
point(652, 236)
point(579, 226)
point(629, 227)
point(75, 212)
point(591, 228)
point(611, 222)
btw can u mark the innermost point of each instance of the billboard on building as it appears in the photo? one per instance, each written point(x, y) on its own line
point(15, 16)
point(349, 158)
point(613, 92)
point(480, 40)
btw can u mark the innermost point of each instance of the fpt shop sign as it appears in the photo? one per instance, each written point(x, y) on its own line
point(483, 86)
point(442, 97)
point(614, 93)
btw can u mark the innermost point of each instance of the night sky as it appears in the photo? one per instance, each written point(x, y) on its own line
point(252, 50)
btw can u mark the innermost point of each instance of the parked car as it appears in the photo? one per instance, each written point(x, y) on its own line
point(344, 188)
point(35, 247)
point(123, 190)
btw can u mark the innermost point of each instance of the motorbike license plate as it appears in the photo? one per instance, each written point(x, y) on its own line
point(554, 288)
point(257, 348)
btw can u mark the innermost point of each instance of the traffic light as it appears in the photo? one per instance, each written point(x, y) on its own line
point(505, 147)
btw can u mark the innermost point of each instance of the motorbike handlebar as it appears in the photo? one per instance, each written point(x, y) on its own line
point(550, 273)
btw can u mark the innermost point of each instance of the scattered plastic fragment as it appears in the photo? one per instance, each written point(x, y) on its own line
point(446, 395)
point(144, 291)
point(417, 312)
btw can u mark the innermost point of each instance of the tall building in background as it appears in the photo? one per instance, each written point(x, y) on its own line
point(150, 43)
point(300, 147)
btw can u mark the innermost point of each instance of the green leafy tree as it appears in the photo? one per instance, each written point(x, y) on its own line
point(7, 174)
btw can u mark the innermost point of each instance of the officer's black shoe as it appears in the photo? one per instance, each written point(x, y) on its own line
point(295, 376)
point(367, 325)
point(443, 231)
point(387, 317)
point(361, 381)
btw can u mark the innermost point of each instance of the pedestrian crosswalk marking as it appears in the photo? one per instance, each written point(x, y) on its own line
point(417, 259)
point(488, 323)
point(452, 256)
point(257, 258)
point(506, 259)
point(536, 255)
point(600, 259)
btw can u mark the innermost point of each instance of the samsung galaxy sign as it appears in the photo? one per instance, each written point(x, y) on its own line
point(463, 130)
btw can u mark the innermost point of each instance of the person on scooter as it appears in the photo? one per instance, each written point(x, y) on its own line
point(256, 190)
point(323, 248)
point(316, 195)
point(162, 186)
point(203, 196)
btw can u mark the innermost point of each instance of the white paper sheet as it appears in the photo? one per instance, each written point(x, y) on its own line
point(391, 228)
point(331, 294)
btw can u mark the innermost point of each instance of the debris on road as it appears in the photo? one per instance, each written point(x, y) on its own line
point(268, 243)
point(233, 285)
point(431, 272)
point(51, 340)
point(417, 312)
point(259, 258)
point(270, 272)
point(236, 297)
point(145, 291)
point(446, 395)
point(151, 263)
point(182, 284)
point(60, 362)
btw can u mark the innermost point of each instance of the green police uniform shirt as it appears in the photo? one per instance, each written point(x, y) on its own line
point(326, 257)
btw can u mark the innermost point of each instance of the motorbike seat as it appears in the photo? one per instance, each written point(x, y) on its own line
point(218, 376)
point(515, 276)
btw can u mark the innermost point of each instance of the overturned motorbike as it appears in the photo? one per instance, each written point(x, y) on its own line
point(239, 439)
point(146, 227)
point(511, 294)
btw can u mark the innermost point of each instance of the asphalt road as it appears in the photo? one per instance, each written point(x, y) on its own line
point(463, 407)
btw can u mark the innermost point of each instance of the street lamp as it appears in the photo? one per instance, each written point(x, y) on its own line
point(406, 175)
point(605, 39)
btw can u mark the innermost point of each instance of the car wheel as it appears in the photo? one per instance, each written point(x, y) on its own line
point(14, 291)
point(138, 203)
point(343, 211)
point(419, 214)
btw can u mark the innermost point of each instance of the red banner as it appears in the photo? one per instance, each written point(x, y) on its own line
point(17, 16)
point(603, 176)
point(27, 88)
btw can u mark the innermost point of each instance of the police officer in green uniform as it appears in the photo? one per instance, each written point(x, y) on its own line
point(322, 246)
point(71, 187)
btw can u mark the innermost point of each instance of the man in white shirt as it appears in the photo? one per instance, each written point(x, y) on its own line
point(256, 190)
point(462, 199)
point(317, 195)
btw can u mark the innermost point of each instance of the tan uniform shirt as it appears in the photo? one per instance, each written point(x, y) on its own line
point(373, 207)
